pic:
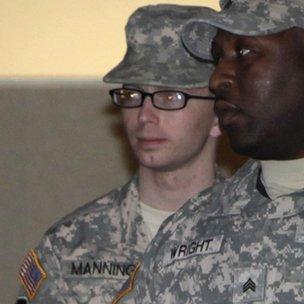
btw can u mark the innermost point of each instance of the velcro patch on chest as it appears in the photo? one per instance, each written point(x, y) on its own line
point(31, 274)
point(196, 247)
point(81, 269)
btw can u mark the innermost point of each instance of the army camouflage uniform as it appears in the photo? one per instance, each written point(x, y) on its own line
point(232, 244)
point(91, 252)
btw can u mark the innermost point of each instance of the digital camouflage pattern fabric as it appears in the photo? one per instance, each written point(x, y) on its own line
point(90, 253)
point(242, 17)
point(155, 54)
point(232, 244)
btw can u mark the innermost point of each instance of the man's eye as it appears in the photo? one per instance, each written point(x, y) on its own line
point(216, 53)
point(244, 51)
point(216, 57)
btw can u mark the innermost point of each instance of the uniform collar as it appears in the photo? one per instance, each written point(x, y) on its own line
point(131, 219)
point(239, 196)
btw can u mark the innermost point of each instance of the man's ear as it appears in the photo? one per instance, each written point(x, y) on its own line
point(215, 130)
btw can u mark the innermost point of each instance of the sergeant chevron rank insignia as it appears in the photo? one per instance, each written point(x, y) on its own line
point(249, 285)
point(196, 247)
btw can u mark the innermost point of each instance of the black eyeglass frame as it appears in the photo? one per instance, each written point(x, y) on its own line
point(151, 95)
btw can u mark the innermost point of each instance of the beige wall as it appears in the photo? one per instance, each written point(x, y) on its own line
point(66, 37)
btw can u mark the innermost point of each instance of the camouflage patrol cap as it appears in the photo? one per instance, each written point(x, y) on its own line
point(242, 17)
point(155, 53)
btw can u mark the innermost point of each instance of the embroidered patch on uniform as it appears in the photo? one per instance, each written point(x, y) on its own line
point(249, 285)
point(82, 269)
point(299, 238)
point(196, 247)
point(128, 286)
point(31, 274)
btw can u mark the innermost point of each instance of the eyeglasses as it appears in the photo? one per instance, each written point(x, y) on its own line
point(164, 100)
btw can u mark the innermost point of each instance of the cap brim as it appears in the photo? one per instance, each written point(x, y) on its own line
point(146, 72)
point(197, 34)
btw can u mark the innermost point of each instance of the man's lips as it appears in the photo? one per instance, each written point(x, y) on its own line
point(227, 112)
point(150, 140)
point(224, 105)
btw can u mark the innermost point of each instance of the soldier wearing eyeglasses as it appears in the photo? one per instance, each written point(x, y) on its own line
point(167, 112)
point(243, 243)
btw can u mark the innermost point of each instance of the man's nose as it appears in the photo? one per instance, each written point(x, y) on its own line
point(223, 77)
point(147, 112)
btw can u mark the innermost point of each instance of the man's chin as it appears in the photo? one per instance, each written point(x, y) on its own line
point(157, 165)
point(243, 146)
point(150, 160)
point(261, 150)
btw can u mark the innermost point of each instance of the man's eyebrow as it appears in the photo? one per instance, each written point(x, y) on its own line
point(247, 39)
point(131, 86)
